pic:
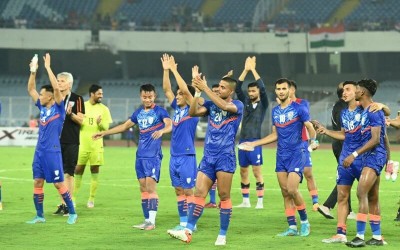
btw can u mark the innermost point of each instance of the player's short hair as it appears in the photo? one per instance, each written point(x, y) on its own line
point(192, 90)
point(253, 84)
point(369, 84)
point(48, 88)
point(232, 82)
point(293, 84)
point(67, 76)
point(216, 85)
point(148, 87)
point(339, 90)
point(283, 80)
point(93, 89)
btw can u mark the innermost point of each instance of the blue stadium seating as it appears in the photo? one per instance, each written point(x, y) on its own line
point(235, 11)
point(33, 9)
point(307, 11)
point(375, 10)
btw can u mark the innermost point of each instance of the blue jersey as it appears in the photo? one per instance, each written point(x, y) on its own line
point(222, 129)
point(289, 123)
point(351, 123)
point(149, 121)
point(369, 120)
point(50, 126)
point(183, 131)
point(304, 132)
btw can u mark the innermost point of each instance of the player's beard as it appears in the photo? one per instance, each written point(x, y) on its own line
point(284, 98)
point(253, 98)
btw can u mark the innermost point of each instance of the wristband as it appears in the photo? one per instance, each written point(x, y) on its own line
point(197, 94)
point(355, 154)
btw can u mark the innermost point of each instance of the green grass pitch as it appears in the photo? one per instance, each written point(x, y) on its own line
point(117, 208)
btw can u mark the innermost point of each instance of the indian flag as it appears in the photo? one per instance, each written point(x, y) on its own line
point(327, 37)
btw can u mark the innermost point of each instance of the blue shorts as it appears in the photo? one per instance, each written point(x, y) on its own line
point(211, 165)
point(293, 161)
point(346, 176)
point(48, 166)
point(247, 158)
point(374, 160)
point(307, 154)
point(183, 171)
point(148, 167)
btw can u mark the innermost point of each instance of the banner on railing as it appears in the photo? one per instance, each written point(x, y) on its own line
point(18, 136)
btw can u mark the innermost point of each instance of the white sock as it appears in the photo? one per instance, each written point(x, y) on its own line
point(260, 200)
point(361, 236)
point(294, 227)
point(246, 200)
point(152, 216)
point(377, 237)
point(183, 224)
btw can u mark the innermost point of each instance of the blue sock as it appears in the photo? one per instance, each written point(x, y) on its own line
point(68, 201)
point(225, 214)
point(302, 212)
point(182, 210)
point(153, 204)
point(38, 201)
point(361, 223)
point(375, 223)
point(195, 212)
point(145, 208)
point(212, 196)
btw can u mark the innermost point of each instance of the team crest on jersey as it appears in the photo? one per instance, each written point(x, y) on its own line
point(290, 115)
point(363, 120)
point(188, 180)
point(357, 117)
point(151, 120)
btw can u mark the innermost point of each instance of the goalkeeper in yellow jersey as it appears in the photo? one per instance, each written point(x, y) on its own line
point(97, 118)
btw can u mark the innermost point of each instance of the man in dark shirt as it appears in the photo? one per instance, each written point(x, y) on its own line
point(337, 149)
point(75, 110)
point(256, 104)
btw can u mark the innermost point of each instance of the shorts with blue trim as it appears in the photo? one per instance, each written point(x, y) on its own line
point(148, 167)
point(48, 166)
point(183, 171)
point(211, 165)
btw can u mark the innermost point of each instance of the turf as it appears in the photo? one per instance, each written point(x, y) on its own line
point(117, 208)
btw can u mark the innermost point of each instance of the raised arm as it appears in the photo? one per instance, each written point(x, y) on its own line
point(239, 91)
point(252, 67)
point(261, 86)
point(166, 81)
point(195, 73)
point(197, 109)
point(179, 80)
point(53, 80)
point(32, 83)
point(201, 84)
